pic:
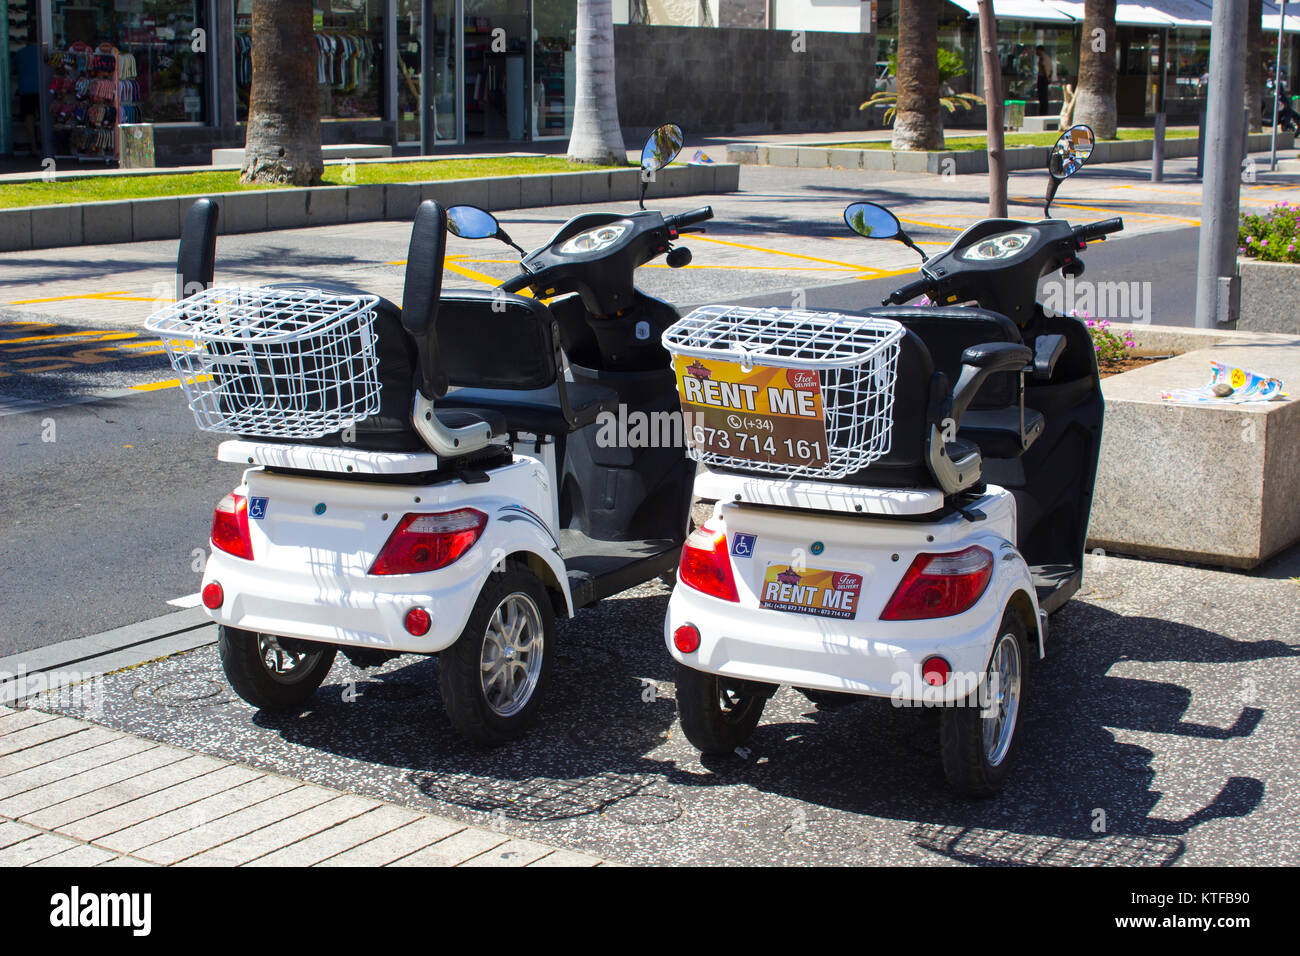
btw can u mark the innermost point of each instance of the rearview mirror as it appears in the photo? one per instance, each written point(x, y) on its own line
point(660, 149)
point(876, 222)
point(1072, 149)
point(470, 222)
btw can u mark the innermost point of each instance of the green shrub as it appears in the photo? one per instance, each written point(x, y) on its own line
point(1272, 237)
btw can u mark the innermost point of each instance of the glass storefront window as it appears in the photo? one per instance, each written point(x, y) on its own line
point(156, 41)
point(496, 85)
point(955, 36)
point(554, 67)
point(1018, 41)
point(1189, 69)
point(349, 58)
point(426, 82)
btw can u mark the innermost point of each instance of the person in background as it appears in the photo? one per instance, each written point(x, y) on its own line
point(1045, 70)
point(29, 94)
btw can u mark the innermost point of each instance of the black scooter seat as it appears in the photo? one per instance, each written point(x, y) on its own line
point(997, 430)
point(536, 410)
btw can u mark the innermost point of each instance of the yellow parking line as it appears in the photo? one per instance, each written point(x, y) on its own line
point(61, 335)
point(89, 295)
point(776, 252)
point(931, 225)
point(169, 383)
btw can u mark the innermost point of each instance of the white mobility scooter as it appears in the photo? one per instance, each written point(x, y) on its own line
point(431, 479)
point(902, 494)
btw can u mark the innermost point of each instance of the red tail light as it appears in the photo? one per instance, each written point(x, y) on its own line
point(706, 565)
point(940, 585)
point(230, 527)
point(427, 542)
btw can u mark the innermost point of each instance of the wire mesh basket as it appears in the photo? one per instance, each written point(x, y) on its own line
point(278, 363)
point(854, 359)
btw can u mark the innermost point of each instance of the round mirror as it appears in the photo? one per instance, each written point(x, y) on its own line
point(1071, 151)
point(874, 222)
point(661, 148)
point(470, 222)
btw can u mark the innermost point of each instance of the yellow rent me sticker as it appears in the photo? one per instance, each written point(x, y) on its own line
point(811, 591)
point(770, 415)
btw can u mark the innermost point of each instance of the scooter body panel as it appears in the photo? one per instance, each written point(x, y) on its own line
point(317, 539)
point(857, 654)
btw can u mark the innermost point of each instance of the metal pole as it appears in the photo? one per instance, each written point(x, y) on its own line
point(1200, 144)
point(1277, 86)
point(1158, 150)
point(1216, 280)
point(993, 111)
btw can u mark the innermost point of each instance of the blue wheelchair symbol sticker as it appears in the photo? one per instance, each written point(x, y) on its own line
point(742, 544)
point(257, 508)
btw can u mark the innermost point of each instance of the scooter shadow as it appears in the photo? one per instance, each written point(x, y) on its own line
point(609, 732)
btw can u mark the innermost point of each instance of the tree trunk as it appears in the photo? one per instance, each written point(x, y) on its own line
point(283, 141)
point(918, 122)
point(596, 136)
point(1255, 64)
point(1094, 101)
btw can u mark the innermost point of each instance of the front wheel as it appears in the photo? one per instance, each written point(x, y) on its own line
point(494, 677)
point(273, 673)
point(977, 738)
point(718, 714)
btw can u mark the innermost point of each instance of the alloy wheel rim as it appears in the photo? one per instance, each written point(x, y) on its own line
point(511, 660)
point(283, 665)
point(1002, 707)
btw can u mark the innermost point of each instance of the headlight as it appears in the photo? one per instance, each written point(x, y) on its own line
point(998, 247)
point(593, 240)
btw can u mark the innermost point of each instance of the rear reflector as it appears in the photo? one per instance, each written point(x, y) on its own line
point(427, 542)
point(230, 527)
point(213, 596)
point(706, 565)
point(940, 585)
point(687, 639)
point(935, 671)
point(417, 621)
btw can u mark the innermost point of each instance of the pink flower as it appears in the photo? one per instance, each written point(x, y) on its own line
point(1263, 244)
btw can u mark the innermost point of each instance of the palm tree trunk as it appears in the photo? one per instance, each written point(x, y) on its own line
point(283, 141)
point(1255, 64)
point(918, 123)
point(596, 136)
point(1094, 102)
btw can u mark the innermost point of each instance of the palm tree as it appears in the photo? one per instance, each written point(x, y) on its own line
point(596, 137)
point(918, 122)
point(1094, 103)
point(283, 141)
point(1255, 64)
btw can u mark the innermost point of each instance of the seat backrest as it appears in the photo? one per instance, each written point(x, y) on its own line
point(197, 257)
point(948, 331)
point(423, 286)
point(491, 339)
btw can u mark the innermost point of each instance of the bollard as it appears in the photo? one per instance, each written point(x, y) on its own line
point(1200, 146)
point(1158, 150)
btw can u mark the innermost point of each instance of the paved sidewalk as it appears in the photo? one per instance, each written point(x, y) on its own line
point(77, 794)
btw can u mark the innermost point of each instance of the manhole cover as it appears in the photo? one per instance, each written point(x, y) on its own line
point(183, 690)
point(533, 799)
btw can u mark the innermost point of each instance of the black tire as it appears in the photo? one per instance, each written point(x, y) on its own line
point(967, 763)
point(244, 657)
point(490, 710)
point(718, 715)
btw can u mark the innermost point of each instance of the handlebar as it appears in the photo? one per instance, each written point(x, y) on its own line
point(1098, 230)
point(909, 291)
point(677, 223)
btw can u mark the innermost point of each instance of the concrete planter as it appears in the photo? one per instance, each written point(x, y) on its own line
point(1209, 484)
point(137, 220)
point(960, 162)
point(1270, 297)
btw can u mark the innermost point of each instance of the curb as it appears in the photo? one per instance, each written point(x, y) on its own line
point(141, 220)
point(950, 162)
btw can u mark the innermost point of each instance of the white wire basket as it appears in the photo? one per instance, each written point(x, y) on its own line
point(277, 363)
point(855, 358)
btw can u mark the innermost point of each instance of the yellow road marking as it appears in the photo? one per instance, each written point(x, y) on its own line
point(62, 335)
point(931, 225)
point(168, 383)
point(112, 296)
point(107, 337)
point(777, 252)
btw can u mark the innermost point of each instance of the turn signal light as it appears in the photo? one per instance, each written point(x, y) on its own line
point(940, 585)
point(230, 527)
point(706, 565)
point(427, 542)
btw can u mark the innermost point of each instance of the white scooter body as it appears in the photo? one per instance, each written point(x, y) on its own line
point(318, 536)
point(862, 654)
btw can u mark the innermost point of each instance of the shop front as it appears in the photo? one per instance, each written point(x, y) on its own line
point(410, 74)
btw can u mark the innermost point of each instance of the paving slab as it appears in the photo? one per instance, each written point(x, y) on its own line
point(349, 835)
point(396, 844)
point(309, 822)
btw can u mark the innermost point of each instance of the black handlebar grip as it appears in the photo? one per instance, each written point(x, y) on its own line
point(1096, 230)
point(907, 292)
point(518, 282)
point(690, 218)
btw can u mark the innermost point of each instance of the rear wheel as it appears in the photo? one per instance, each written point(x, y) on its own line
point(494, 677)
point(977, 738)
point(718, 714)
point(273, 673)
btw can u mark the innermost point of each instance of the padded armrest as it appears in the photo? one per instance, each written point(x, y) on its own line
point(1047, 349)
point(978, 363)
